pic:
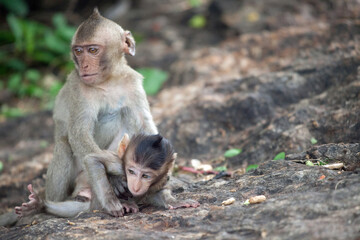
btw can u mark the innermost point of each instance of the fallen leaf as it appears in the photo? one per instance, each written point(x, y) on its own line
point(309, 163)
point(313, 140)
point(280, 156)
point(322, 177)
point(232, 152)
point(233, 190)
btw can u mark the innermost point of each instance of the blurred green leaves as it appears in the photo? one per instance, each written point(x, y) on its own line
point(9, 112)
point(232, 152)
point(197, 21)
point(18, 7)
point(153, 79)
point(27, 47)
point(194, 3)
point(251, 167)
point(313, 140)
point(280, 156)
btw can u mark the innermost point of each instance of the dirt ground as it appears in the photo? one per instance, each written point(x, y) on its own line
point(264, 76)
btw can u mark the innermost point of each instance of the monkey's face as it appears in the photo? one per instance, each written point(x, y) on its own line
point(88, 59)
point(139, 179)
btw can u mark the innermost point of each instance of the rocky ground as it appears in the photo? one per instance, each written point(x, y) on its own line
point(267, 80)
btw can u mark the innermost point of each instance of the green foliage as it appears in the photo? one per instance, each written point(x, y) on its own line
point(153, 79)
point(309, 163)
point(252, 166)
point(44, 144)
point(138, 37)
point(194, 3)
point(232, 152)
point(322, 162)
point(313, 140)
point(280, 156)
point(18, 7)
point(9, 112)
point(221, 169)
point(34, 46)
point(197, 21)
point(1, 166)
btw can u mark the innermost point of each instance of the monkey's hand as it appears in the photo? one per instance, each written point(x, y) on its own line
point(118, 186)
point(183, 204)
point(130, 206)
point(33, 206)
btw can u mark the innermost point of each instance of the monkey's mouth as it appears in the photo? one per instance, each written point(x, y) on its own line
point(88, 75)
point(88, 78)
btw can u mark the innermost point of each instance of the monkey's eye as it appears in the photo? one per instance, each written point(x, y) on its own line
point(145, 176)
point(78, 51)
point(93, 50)
point(131, 171)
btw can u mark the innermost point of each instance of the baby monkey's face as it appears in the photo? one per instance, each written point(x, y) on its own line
point(139, 178)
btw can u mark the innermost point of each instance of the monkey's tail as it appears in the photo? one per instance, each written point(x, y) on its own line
point(8, 219)
point(67, 208)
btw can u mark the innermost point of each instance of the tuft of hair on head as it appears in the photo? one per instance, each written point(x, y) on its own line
point(88, 28)
point(152, 151)
point(157, 142)
point(95, 14)
point(96, 10)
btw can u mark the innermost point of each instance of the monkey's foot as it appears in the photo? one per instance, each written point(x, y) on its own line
point(30, 207)
point(184, 204)
point(130, 206)
point(114, 207)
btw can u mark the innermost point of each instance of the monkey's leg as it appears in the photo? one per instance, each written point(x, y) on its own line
point(60, 173)
point(103, 192)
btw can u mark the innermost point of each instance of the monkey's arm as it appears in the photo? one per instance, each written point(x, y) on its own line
point(148, 124)
point(143, 109)
point(163, 198)
point(96, 166)
point(81, 130)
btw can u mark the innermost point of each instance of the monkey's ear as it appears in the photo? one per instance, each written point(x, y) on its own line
point(123, 145)
point(157, 142)
point(129, 44)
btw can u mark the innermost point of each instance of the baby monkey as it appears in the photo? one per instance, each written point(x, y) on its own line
point(147, 162)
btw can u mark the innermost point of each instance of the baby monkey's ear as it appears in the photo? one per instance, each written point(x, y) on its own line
point(123, 145)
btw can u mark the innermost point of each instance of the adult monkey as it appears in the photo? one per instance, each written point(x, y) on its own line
point(102, 99)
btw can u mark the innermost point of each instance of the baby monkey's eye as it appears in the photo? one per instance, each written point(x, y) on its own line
point(93, 50)
point(145, 176)
point(131, 171)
